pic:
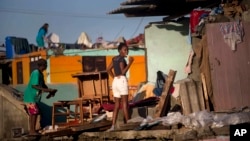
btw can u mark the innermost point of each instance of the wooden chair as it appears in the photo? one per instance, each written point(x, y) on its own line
point(63, 108)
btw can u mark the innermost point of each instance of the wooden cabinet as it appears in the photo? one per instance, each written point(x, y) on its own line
point(92, 85)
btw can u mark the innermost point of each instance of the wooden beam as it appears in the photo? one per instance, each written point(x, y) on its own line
point(91, 126)
point(58, 133)
point(205, 91)
point(128, 126)
point(163, 106)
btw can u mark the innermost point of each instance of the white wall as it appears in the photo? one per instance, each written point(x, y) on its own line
point(168, 47)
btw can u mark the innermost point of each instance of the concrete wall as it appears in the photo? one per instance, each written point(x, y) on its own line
point(12, 114)
point(168, 48)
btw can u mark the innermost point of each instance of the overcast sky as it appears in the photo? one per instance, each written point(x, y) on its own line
point(68, 18)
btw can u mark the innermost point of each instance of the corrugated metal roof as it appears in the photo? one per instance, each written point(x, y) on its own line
point(132, 9)
point(142, 8)
point(140, 2)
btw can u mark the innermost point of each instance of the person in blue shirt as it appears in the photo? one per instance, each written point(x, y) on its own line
point(117, 69)
point(34, 89)
point(41, 36)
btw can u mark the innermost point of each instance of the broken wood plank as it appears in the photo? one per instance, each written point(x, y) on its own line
point(163, 106)
point(61, 132)
point(192, 99)
point(128, 126)
point(205, 91)
point(92, 126)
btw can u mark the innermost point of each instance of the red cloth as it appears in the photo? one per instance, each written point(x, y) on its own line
point(195, 18)
point(171, 90)
point(136, 39)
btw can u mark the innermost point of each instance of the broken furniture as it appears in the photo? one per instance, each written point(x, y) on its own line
point(93, 85)
point(164, 104)
point(63, 108)
point(92, 88)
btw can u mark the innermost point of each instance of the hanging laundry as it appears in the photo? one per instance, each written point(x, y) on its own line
point(53, 40)
point(233, 33)
point(195, 16)
point(85, 40)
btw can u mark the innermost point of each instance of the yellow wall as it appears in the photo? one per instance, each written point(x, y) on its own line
point(137, 74)
point(25, 59)
point(137, 71)
point(62, 67)
point(108, 60)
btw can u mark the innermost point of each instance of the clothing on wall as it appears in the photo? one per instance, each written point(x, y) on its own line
point(233, 33)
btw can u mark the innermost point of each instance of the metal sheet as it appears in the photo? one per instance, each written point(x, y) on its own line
point(230, 70)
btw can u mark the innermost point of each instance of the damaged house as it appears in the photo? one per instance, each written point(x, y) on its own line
point(204, 58)
point(195, 48)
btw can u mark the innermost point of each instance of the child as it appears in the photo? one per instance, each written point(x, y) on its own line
point(120, 83)
point(34, 88)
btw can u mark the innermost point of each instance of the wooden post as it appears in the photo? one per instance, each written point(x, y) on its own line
point(80, 87)
point(205, 91)
point(53, 116)
point(164, 104)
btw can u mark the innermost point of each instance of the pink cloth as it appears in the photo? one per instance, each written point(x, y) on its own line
point(32, 109)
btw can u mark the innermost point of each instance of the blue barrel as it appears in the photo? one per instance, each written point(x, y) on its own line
point(9, 47)
point(15, 45)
